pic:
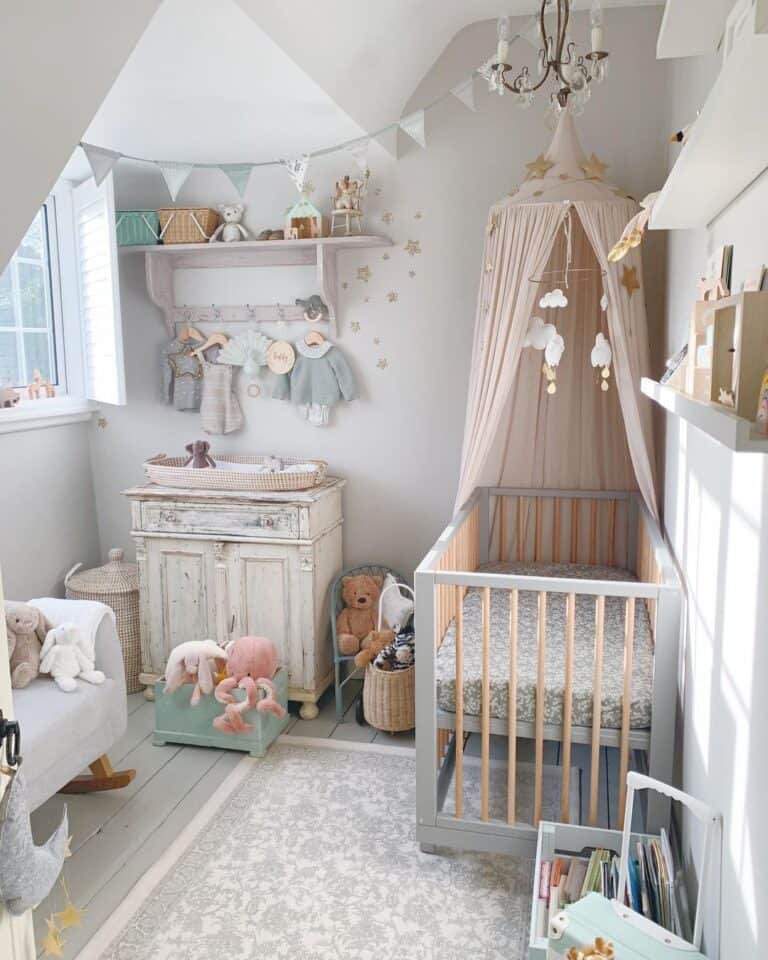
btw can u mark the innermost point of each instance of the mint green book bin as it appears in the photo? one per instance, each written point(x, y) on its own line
point(177, 721)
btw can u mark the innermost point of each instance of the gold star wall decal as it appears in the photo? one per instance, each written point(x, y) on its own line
point(411, 274)
point(538, 168)
point(364, 274)
point(383, 363)
point(377, 340)
point(392, 296)
point(387, 218)
point(629, 280)
point(355, 326)
point(413, 247)
point(594, 169)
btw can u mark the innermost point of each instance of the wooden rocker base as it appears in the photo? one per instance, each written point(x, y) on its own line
point(102, 777)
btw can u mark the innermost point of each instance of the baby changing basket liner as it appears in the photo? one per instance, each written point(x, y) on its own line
point(117, 585)
point(171, 472)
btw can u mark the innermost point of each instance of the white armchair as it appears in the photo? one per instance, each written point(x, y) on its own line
point(62, 734)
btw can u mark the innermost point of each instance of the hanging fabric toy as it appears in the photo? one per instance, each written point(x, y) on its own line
point(601, 356)
point(544, 336)
point(27, 872)
point(249, 351)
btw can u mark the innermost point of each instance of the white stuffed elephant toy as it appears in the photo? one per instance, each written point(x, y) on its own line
point(63, 657)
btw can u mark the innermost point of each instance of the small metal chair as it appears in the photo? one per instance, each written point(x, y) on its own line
point(335, 605)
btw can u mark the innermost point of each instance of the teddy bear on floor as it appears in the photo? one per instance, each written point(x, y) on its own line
point(230, 229)
point(252, 663)
point(358, 618)
point(27, 628)
point(63, 657)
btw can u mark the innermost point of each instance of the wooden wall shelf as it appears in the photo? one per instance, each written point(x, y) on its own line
point(161, 262)
point(714, 419)
point(727, 147)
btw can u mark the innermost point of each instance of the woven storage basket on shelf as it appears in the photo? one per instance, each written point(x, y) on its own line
point(137, 227)
point(171, 472)
point(117, 585)
point(187, 224)
point(389, 696)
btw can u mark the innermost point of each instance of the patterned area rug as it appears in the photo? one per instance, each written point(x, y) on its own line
point(311, 853)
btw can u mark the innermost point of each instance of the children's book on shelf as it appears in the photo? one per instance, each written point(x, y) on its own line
point(654, 889)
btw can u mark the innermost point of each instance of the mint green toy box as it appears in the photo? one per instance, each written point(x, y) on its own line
point(177, 721)
point(633, 937)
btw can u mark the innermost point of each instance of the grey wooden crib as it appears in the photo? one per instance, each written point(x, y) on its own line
point(551, 615)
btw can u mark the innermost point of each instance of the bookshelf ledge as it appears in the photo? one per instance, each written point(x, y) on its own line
point(734, 432)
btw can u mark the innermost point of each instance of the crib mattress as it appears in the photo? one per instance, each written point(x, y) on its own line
point(583, 665)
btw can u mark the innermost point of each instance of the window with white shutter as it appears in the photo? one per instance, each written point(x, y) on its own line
point(95, 248)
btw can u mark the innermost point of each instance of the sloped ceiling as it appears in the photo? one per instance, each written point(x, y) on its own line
point(57, 62)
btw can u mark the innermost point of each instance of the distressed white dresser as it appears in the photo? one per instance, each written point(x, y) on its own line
point(226, 564)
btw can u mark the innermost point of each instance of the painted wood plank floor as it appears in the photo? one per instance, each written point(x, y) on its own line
point(119, 835)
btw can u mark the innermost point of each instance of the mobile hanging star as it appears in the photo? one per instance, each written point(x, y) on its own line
point(53, 945)
point(629, 280)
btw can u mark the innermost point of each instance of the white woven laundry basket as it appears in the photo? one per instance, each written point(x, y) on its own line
point(117, 585)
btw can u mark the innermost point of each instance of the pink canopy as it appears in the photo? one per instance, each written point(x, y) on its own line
point(554, 232)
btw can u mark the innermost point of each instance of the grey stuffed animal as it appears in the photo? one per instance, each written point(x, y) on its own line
point(198, 455)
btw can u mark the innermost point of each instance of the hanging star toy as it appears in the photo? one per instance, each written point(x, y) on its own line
point(538, 168)
point(593, 168)
point(629, 280)
point(70, 916)
point(53, 945)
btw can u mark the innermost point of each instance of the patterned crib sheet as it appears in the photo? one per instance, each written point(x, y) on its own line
point(583, 665)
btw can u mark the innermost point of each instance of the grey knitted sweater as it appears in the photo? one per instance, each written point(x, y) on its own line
point(320, 375)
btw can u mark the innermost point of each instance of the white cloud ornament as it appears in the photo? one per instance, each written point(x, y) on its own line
point(539, 334)
point(554, 298)
point(554, 350)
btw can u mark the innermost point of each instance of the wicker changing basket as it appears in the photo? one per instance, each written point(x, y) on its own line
point(171, 472)
point(187, 224)
point(389, 697)
point(117, 585)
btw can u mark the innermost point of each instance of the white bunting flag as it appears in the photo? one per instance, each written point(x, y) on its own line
point(297, 170)
point(359, 153)
point(465, 91)
point(413, 125)
point(175, 175)
point(100, 160)
point(239, 174)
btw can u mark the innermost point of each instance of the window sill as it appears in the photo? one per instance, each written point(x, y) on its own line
point(53, 412)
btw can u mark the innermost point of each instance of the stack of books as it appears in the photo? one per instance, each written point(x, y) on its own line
point(654, 889)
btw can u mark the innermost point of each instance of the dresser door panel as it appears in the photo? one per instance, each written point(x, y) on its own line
point(265, 590)
point(181, 579)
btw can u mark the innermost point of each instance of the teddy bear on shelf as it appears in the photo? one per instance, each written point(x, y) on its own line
point(252, 662)
point(63, 657)
point(27, 629)
point(360, 594)
point(230, 229)
point(196, 662)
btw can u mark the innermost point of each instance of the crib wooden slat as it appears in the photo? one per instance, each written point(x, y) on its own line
point(570, 630)
point(593, 531)
point(556, 531)
point(520, 530)
point(485, 709)
point(574, 530)
point(596, 709)
point(539, 749)
point(459, 762)
point(626, 704)
point(612, 534)
point(502, 529)
point(512, 709)
point(537, 542)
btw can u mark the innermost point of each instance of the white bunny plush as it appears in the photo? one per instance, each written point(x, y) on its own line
point(64, 659)
point(195, 662)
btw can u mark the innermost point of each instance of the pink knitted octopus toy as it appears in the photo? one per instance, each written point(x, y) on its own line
point(251, 665)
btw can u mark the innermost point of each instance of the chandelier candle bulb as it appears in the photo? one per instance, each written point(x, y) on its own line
point(597, 39)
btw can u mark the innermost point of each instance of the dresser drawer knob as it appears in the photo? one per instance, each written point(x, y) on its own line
point(265, 522)
point(168, 516)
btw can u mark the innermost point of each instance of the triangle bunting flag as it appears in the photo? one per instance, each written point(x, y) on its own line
point(239, 174)
point(101, 160)
point(413, 125)
point(175, 175)
point(465, 91)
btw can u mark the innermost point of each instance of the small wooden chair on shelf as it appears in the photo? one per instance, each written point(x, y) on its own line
point(335, 604)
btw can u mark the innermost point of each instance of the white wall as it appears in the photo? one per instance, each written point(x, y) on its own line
point(399, 445)
point(57, 62)
point(47, 515)
point(715, 512)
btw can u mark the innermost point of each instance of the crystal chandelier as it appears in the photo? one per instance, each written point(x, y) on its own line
point(558, 59)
